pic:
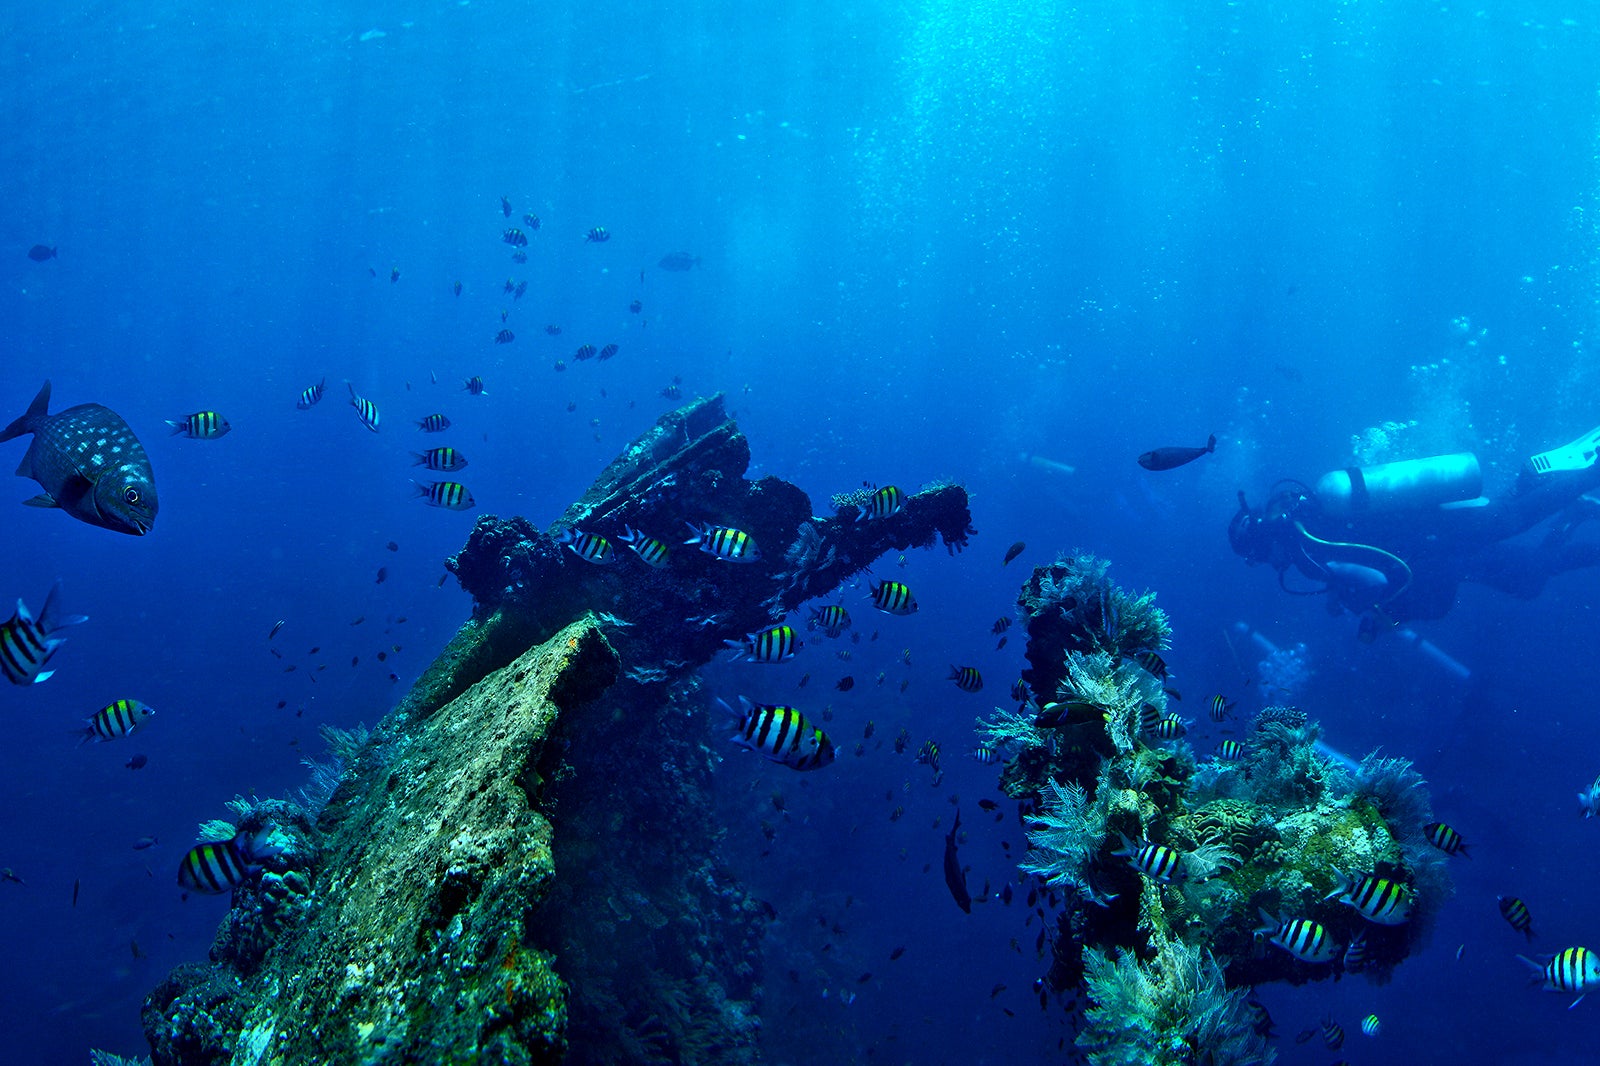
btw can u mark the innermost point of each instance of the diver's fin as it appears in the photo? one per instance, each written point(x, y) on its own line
point(1578, 455)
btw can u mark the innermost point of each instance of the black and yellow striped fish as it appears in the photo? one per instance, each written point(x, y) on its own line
point(884, 503)
point(441, 459)
point(1171, 728)
point(1230, 751)
point(202, 425)
point(775, 644)
point(215, 866)
point(1572, 970)
point(781, 734)
point(591, 547)
point(1153, 662)
point(26, 644)
point(116, 719)
point(986, 754)
point(891, 597)
point(597, 235)
point(434, 423)
point(1149, 718)
point(1445, 839)
point(929, 754)
point(475, 386)
point(515, 237)
point(608, 351)
point(450, 495)
point(584, 352)
point(311, 395)
point(648, 548)
point(1515, 912)
point(730, 545)
point(833, 618)
point(1355, 954)
point(366, 410)
point(1155, 861)
point(967, 678)
point(505, 336)
point(1377, 899)
point(1303, 938)
point(1221, 708)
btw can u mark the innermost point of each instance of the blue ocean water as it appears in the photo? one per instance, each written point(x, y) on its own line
point(935, 239)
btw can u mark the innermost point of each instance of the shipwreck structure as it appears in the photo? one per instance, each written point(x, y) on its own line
point(519, 864)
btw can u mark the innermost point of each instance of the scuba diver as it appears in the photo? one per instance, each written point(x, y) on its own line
point(1393, 542)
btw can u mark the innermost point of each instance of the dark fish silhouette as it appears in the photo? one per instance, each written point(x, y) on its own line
point(678, 261)
point(1169, 458)
point(40, 252)
point(1012, 552)
point(89, 464)
point(954, 875)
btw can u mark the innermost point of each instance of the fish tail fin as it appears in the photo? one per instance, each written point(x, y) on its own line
point(39, 408)
point(1211, 443)
point(177, 427)
point(50, 617)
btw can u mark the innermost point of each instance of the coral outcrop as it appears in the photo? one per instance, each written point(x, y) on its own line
point(1169, 862)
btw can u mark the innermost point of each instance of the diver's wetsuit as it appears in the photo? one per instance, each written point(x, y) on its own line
point(1409, 564)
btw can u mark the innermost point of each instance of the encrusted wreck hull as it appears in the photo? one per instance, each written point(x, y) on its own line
point(522, 864)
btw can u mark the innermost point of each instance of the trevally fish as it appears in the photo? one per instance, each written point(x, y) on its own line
point(89, 464)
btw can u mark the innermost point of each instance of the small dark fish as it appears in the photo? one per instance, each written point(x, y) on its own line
point(531, 221)
point(138, 762)
point(505, 207)
point(456, 288)
point(845, 684)
point(76, 884)
point(607, 352)
point(636, 306)
point(996, 990)
point(897, 952)
point(275, 627)
point(1170, 458)
point(678, 262)
point(955, 878)
point(392, 546)
point(442, 578)
point(597, 235)
point(804, 680)
point(383, 575)
point(383, 656)
point(987, 804)
point(40, 252)
point(505, 336)
point(355, 660)
point(1012, 552)
point(145, 842)
point(864, 978)
point(359, 620)
point(553, 330)
point(394, 275)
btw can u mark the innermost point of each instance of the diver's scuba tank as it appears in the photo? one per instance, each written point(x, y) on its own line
point(1412, 484)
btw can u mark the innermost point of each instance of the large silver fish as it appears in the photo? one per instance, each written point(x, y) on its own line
point(89, 464)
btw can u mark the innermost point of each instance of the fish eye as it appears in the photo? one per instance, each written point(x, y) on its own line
point(130, 494)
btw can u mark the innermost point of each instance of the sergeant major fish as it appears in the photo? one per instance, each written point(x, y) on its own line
point(89, 464)
point(782, 734)
point(215, 866)
point(116, 719)
point(26, 645)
